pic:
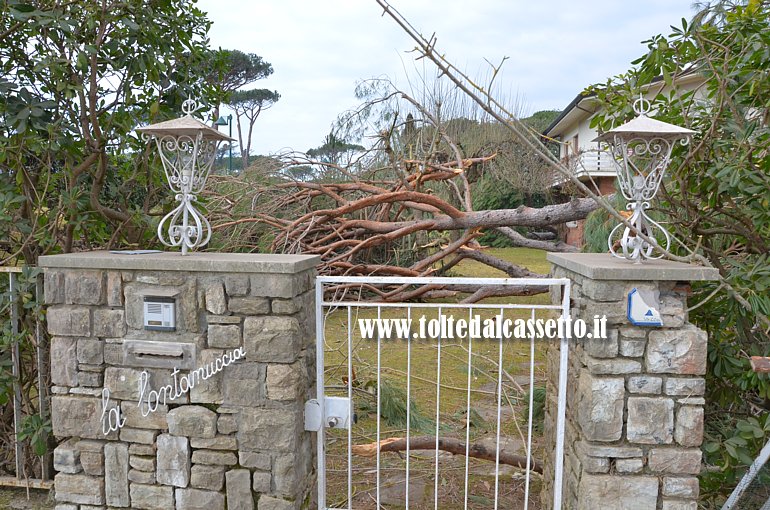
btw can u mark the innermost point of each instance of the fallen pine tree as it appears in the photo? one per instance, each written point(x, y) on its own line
point(407, 206)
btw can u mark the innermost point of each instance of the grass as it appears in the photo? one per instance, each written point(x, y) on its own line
point(451, 393)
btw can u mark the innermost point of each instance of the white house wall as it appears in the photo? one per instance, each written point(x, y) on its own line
point(585, 135)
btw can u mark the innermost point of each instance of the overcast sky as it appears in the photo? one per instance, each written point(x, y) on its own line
point(320, 49)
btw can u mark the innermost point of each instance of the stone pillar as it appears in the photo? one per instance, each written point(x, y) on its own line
point(235, 439)
point(635, 400)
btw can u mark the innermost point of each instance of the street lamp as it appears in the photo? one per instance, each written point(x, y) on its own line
point(221, 121)
point(642, 152)
point(187, 148)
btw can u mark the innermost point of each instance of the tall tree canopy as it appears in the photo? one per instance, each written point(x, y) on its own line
point(230, 71)
point(249, 104)
point(234, 69)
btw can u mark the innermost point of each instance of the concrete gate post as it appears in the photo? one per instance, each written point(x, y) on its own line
point(634, 419)
point(205, 413)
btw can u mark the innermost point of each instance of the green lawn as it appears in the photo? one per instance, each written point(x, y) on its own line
point(451, 393)
point(534, 260)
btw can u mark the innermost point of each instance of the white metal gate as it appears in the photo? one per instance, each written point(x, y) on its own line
point(358, 376)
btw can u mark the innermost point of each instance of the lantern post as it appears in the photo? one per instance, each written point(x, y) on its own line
point(641, 150)
point(187, 148)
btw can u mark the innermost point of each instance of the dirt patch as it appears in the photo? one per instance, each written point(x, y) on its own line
point(16, 499)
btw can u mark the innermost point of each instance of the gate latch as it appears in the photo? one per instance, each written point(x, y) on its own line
point(335, 413)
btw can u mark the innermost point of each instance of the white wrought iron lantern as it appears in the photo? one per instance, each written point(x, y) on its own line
point(187, 148)
point(641, 150)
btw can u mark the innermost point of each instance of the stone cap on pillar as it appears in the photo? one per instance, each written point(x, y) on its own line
point(168, 261)
point(604, 266)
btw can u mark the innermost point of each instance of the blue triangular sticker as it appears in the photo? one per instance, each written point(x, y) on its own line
point(642, 308)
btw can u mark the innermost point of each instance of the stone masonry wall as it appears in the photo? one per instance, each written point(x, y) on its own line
point(634, 403)
point(234, 441)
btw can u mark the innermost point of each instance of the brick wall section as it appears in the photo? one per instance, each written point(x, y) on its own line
point(576, 236)
point(634, 402)
point(235, 441)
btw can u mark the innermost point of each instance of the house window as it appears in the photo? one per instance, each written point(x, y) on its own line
point(569, 149)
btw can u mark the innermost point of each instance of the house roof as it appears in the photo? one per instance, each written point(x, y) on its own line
point(580, 107)
point(576, 108)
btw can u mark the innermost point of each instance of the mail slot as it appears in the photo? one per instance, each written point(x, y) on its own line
point(152, 354)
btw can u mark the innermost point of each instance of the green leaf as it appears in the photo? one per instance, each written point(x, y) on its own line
point(26, 8)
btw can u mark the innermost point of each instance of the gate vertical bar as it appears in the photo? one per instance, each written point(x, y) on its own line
point(408, 399)
point(562, 403)
point(319, 359)
point(42, 371)
point(14, 304)
point(499, 398)
point(468, 408)
point(350, 410)
point(529, 419)
point(379, 401)
point(438, 408)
